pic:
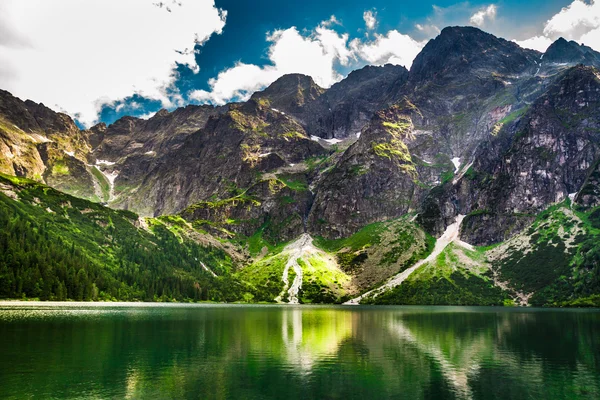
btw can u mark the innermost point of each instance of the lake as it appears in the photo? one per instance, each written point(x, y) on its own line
point(163, 351)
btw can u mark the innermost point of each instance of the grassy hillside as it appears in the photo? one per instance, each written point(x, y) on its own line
point(57, 247)
point(554, 262)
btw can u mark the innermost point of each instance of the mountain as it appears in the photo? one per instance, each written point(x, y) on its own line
point(569, 52)
point(330, 195)
point(56, 246)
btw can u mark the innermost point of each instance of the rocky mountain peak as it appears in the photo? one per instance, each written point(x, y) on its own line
point(571, 52)
point(457, 51)
point(162, 113)
point(290, 92)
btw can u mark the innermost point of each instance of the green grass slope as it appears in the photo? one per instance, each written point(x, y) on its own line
point(57, 247)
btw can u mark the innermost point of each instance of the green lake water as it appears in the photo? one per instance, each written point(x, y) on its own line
point(297, 352)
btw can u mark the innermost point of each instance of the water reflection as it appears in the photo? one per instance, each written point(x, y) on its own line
point(222, 352)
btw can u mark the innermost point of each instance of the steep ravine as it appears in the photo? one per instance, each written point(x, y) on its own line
point(449, 236)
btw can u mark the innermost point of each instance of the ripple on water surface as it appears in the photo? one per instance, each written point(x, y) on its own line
point(145, 350)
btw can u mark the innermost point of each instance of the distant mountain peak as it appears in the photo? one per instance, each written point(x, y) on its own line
point(571, 52)
point(458, 50)
point(290, 92)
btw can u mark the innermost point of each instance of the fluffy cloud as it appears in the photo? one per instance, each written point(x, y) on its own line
point(77, 55)
point(392, 48)
point(539, 43)
point(574, 21)
point(430, 30)
point(486, 14)
point(592, 39)
point(370, 18)
point(579, 21)
point(290, 52)
point(316, 54)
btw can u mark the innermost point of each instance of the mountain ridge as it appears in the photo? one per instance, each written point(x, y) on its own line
point(478, 127)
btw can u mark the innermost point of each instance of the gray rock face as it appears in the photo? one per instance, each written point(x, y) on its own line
point(342, 110)
point(539, 159)
point(571, 52)
point(373, 181)
point(462, 51)
point(479, 126)
point(40, 144)
point(345, 108)
point(589, 194)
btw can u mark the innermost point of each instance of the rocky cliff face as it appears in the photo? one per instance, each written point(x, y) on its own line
point(569, 52)
point(38, 143)
point(478, 126)
point(373, 181)
point(541, 158)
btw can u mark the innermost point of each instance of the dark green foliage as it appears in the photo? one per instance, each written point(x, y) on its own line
point(367, 236)
point(404, 240)
point(316, 293)
point(594, 218)
point(537, 269)
point(349, 261)
point(267, 290)
point(454, 290)
point(57, 247)
point(419, 255)
point(557, 276)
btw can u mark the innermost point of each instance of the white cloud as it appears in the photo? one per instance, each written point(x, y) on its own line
point(370, 18)
point(73, 54)
point(430, 30)
point(574, 21)
point(486, 14)
point(238, 82)
point(315, 54)
point(579, 21)
point(331, 21)
point(592, 39)
point(539, 43)
point(290, 52)
point(391, 48)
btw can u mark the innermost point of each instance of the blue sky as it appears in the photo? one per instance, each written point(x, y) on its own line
point(101, 59)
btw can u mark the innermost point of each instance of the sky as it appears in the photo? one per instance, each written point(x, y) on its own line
point(98, 60)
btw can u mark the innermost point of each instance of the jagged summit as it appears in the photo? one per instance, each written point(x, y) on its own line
point(479, 127)
point(290, 92)
point(458, 51)
point(571, 52)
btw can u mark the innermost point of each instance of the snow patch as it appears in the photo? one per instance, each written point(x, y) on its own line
point(204, 267)
point(358, 135)
point(315, 138)
point(37, 138)
point(110, 176)
point(104, 162)
point(264, 155)
point(456, 162)
point(541, 57)
point(150, 153)
point(299, 248)
point(572, 197)
point(332, 141)
point(70, 153)
point(462, 173)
